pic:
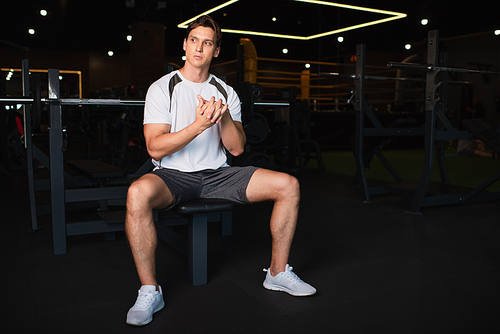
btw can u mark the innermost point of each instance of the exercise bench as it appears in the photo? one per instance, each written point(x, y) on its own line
point(198, 213)
point(102, 173)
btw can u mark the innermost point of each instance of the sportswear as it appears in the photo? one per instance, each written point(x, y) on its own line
point(172, 100)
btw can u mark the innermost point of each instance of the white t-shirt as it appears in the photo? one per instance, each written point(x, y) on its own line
point(172, 100)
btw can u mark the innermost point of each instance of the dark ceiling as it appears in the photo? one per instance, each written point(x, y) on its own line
point(100, 25)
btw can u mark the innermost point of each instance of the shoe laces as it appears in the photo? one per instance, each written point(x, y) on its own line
point(288, 273)
point(144, 300)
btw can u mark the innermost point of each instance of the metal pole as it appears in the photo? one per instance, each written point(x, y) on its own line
point(430, 120)
point(359, 106)
point(28, 145)
point(444, 122)
point(56, 166)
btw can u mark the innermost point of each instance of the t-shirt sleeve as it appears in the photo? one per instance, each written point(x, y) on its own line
point(157, 105)
point(234, 105)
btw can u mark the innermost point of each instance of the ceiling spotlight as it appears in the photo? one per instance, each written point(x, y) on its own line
point(340, 39)
point(424, 22)
point(274, 19)
point(43, 12)
point(285, 51)
point(307, 65)
point(110, 53)
point(60, 77)
point(408, 46)
point(497, 32)
point(31, 31)
point(129, 38)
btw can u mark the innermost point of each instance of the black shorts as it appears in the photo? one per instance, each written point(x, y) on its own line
point(226, 183)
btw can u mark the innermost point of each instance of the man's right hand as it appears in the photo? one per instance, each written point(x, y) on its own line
point(209, 112)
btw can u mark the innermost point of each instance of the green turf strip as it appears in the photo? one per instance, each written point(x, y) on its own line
point(462, 171)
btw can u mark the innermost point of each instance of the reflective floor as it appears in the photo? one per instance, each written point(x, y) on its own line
point(376, 268)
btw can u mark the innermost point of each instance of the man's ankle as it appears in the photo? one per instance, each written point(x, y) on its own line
point(275, 270)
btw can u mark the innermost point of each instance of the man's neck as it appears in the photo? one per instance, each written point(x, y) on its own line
point(194, 74)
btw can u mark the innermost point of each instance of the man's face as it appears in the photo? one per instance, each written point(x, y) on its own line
point(200, 47)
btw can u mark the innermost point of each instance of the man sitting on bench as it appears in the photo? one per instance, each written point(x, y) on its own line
point(189, 117)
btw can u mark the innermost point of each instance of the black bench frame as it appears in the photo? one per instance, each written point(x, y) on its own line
point(198, 212)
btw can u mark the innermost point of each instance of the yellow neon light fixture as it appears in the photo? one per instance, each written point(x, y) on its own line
point(225, 4)
point(392, 16)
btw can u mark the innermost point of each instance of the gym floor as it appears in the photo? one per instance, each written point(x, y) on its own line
point(376, 268)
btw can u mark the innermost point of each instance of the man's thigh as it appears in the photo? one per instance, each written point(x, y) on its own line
point(268, 185)
point(182, 185)
point(228, 183)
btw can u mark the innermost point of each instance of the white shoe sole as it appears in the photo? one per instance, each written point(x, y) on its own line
point(275, 287)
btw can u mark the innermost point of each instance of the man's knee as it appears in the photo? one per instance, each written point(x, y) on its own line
point(293, 186)
point(147, 193)
point(137, 190)
point(136, 196)
point(287, 185)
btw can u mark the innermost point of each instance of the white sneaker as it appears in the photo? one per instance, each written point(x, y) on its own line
point(289, 282)
point(148, 302)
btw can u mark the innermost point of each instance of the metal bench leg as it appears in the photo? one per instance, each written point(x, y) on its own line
point(197, 249)
point(226, 223)
point(109, 236)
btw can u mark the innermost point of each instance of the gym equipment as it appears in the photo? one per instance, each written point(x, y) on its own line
point(255, 125)
point(375, 146)
point(304, 127)
point(198, 212)
point(436, 129)
point(292, 153)
point(248, 94)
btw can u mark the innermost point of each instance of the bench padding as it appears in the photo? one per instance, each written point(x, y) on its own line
point(203, 205)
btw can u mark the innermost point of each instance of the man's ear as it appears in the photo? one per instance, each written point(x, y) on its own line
point(216, 53)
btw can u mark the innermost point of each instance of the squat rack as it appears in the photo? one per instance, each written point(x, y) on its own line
point(59, 179)
point(437, 128)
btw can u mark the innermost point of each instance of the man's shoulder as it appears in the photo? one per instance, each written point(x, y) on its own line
point(165, 84)
point(220, 80)
point(167, 78)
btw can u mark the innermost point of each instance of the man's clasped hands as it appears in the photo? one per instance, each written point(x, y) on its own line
point(210, 112)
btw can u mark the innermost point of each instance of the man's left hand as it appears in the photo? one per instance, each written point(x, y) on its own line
point(213, 110)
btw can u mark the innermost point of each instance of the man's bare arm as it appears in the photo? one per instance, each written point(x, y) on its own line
point(161, 143)
point(232, 133)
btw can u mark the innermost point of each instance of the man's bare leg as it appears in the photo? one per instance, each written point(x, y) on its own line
point(143, 196)
point(284, 190)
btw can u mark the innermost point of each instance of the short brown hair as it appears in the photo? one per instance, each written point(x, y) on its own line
point(208, 22)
